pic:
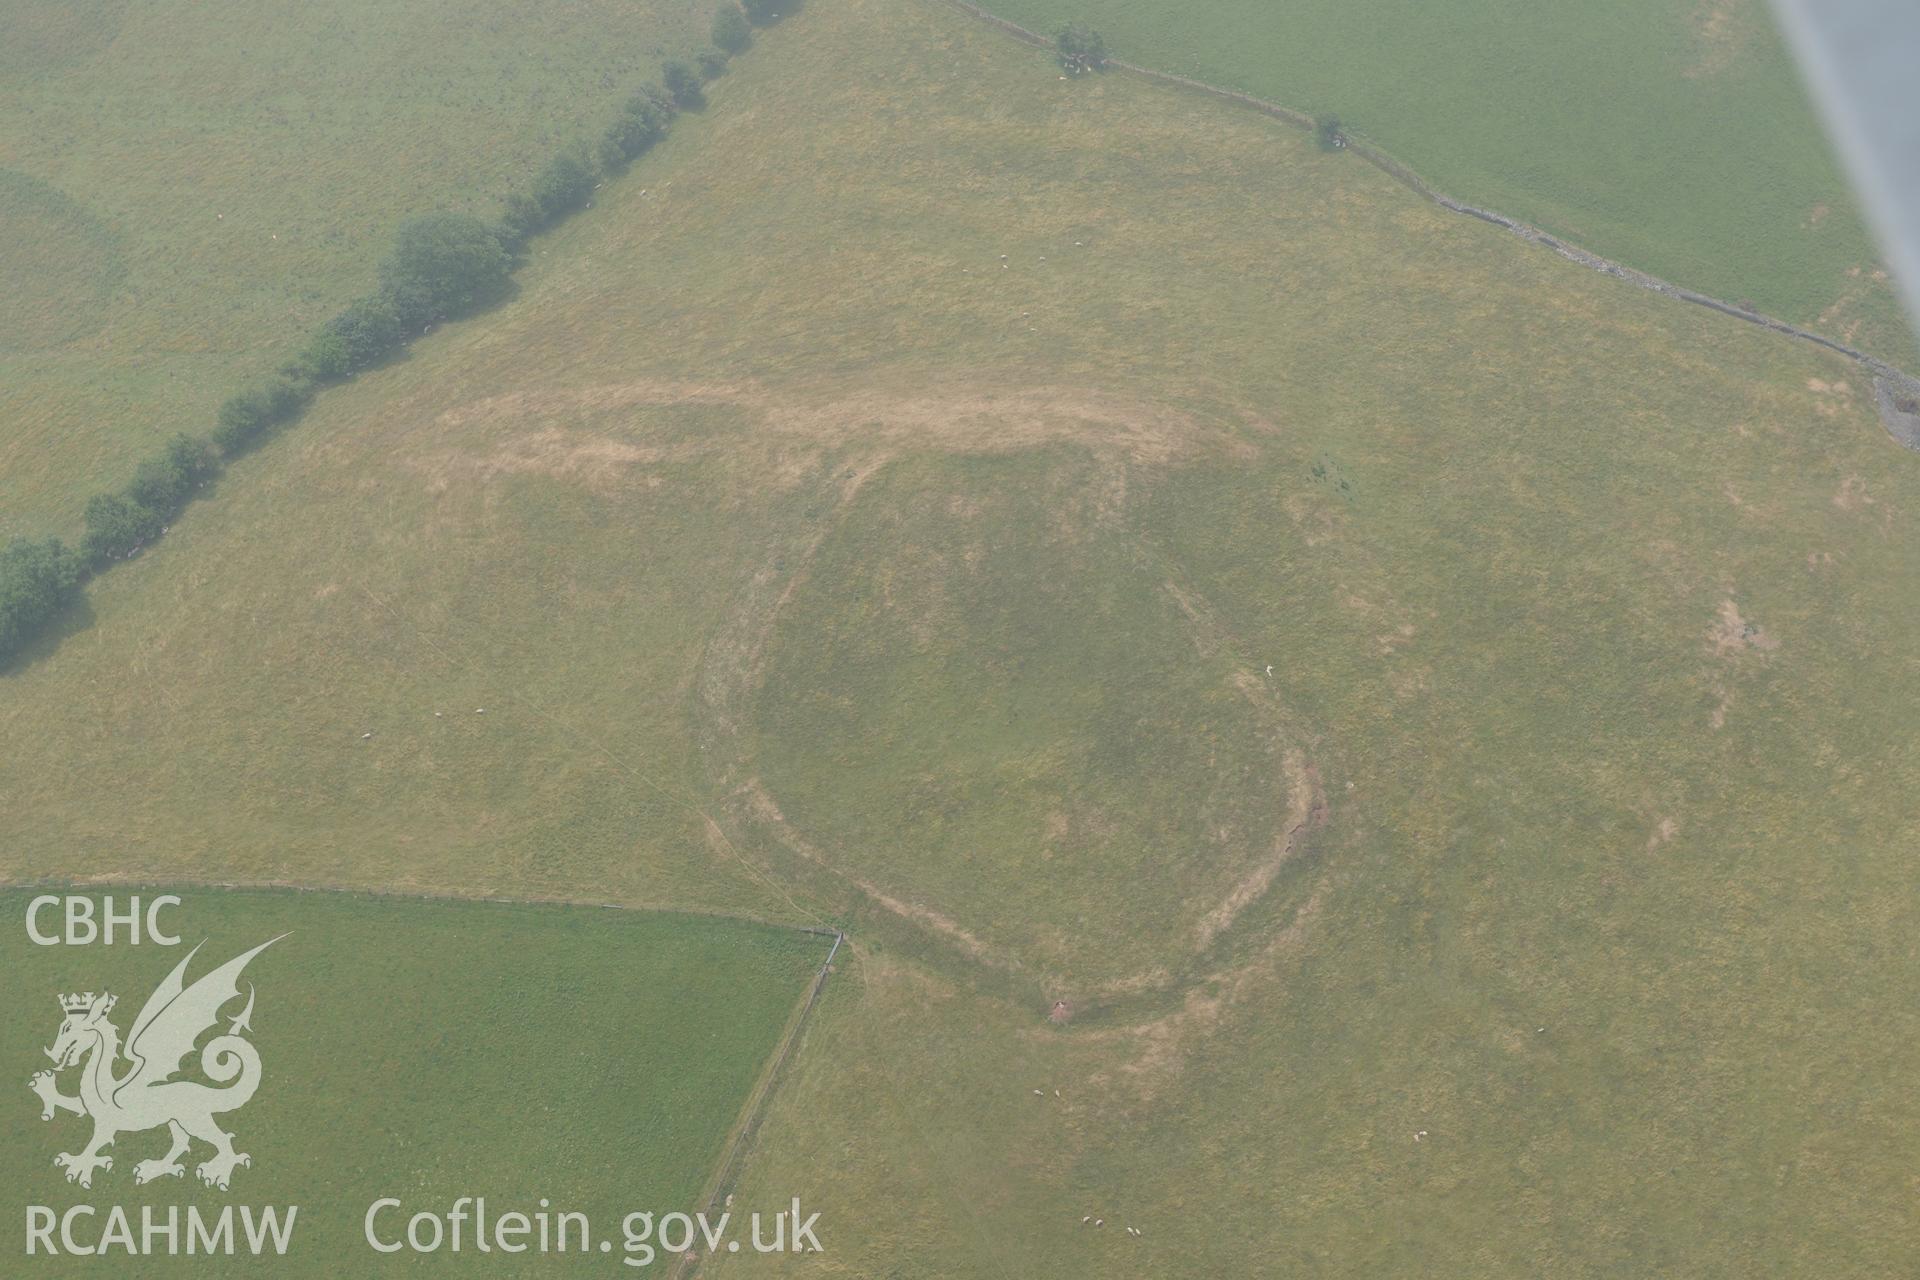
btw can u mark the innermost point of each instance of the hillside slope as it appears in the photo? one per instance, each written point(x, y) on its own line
point(1672, 135)
point(1380, 680)
point(188, 191)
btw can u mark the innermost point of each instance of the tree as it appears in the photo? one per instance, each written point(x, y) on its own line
point(521, 217)
point(710, 63)
point(762, 12)
point(683, 83)
point(731, 30)
point(117, 527)
point(1327, 132)
point(609, 151)
point(368, 330)
point(630, 134)
point(244, 417)
point(160, 486)
point(330, 359)
point(563, 185)
point(651, 101)
point(415, 302)
point(286, 397)
point(241, 418)
point(37, 579)
point(193, 456)
point(164, 482)
point(441, 264)
point(1081, 48)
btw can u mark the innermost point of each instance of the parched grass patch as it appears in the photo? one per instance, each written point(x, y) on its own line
point(424, 1050)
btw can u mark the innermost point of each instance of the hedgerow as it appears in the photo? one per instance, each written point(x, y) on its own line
point(442, 265)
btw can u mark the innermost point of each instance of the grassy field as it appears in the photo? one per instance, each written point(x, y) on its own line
point(188, 191)
point(1012, 681)
point(884, 507)
point(426, 1051)
point(1672, 135)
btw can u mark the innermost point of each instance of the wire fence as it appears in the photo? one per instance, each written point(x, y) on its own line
point(727, 1176)
point(1400, 173)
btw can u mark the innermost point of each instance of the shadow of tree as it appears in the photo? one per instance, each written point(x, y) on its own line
point(78, 616)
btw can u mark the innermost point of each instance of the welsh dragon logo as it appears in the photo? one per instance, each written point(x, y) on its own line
point(145, 1096)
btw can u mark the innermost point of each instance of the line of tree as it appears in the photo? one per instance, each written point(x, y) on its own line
point(441, 266)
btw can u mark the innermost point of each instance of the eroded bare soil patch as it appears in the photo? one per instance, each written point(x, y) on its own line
point(589, 432)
